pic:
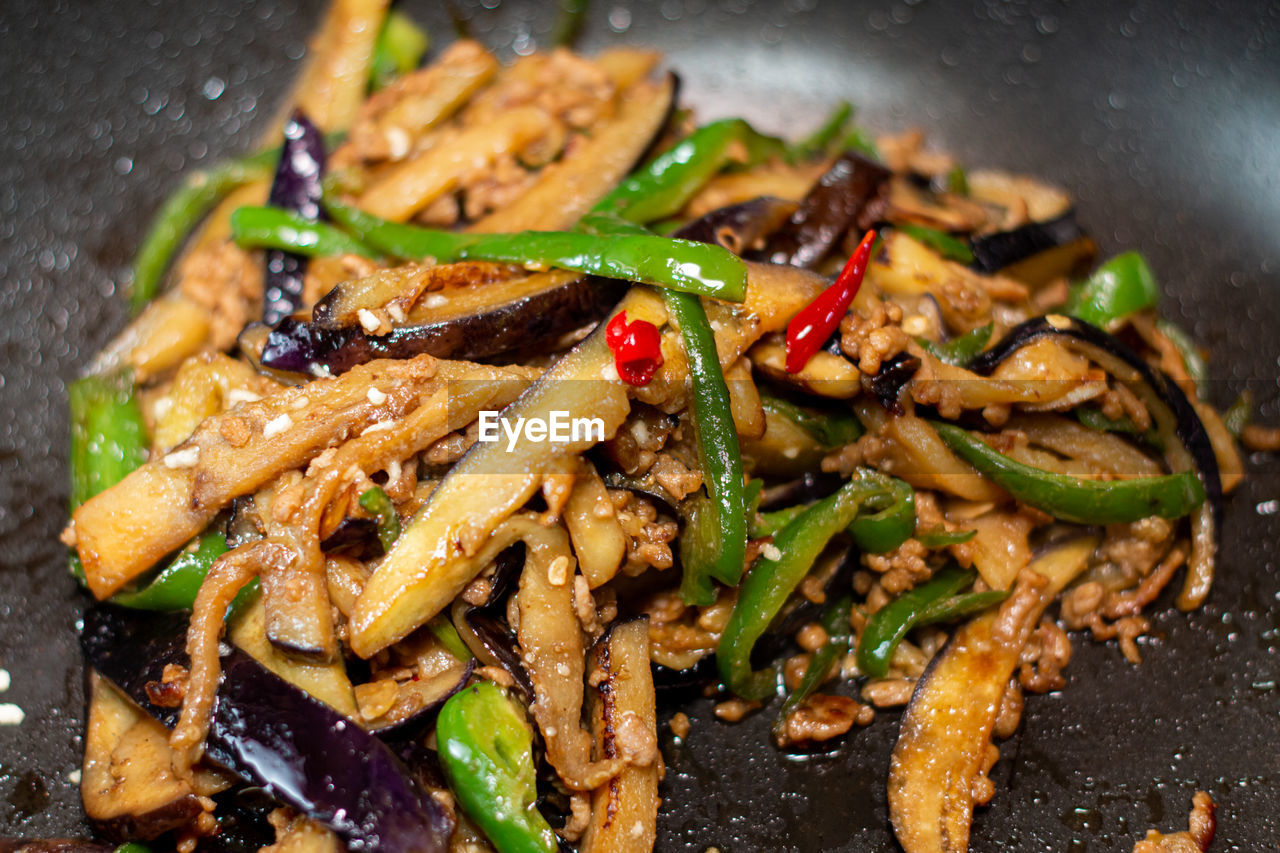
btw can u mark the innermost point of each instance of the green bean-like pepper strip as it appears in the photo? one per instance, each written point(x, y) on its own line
point(935, 601)
point(275, 228)
point(859, 140)
point(400, 47)
point(181, 212)
point(944, 244)
point(375, 502)
point(769, 523)
point(817, 143)
point(636, 256)
point(1094, 419)
point(940, 537)
point(1236, 418)
point(835, 621)
point(961, 349)
point(830, 429)
point(486, 752)
point(1072, 499)
point(770, 583)
point(958, 181)
point(891, 521)
point(175, 587)
point(108, 433)
point(661, 189)
point(132, 847)
point(1192, 360)
point(1122, 286)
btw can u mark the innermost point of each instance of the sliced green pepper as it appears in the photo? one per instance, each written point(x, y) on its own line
point(859, 140)
point(769, 523)
point(637, 256)
point(770, 583)
point(400, 47)
point(1192, 360)
point(940, 537)
point(175, 587)
point(892, 519)
point(817, 143)
point(375, 502)
point(569, 22)
point(442, 628)
point(830, 429)
point(1236, 418)
point(661, 189)
point(1072, 499)
point(835, 621)
point(274, 228)
point(944, 244)
point(1122, 286)
point(935, 601)
point(958, 181)
point(486, 752)
point(1094, 419)
point(108, 433)
point(132, 847)
point(960, 350)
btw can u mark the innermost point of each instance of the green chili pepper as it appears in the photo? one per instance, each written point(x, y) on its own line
point(1094, 419)
point(486, 752)
point(442, 628)
point(274, 228)
point(828, 428)
point(836, 623)
point(1072, 499)
point(569, 22)
point(859, 140)
point(108, 433)
point(935, 601)
point(175, 587)
point(375, 502)
point(960, 350)
point(635, 256)
point(892, 519)
point(400, 47)
point(132, 847)
point(770, 583)
point(958, 181)
point(941, 242)
point(817, 143)
point(769, 523)
point(1236, 418)
point(940, 537)
point(661, 189)
point(1122, 286)
point(1192, 360)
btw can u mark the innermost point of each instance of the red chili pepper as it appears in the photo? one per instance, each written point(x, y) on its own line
point(637, 348)
point(809, 330)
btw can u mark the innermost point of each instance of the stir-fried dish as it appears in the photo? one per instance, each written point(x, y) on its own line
point(486, 402)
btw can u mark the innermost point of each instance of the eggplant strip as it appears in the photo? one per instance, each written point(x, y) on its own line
point(598, 540)
point(945, 736)
point(434, 558)
point(125, 530)
point(333, 86)
point(567, 189)
point(624, 810)
point(551, 645)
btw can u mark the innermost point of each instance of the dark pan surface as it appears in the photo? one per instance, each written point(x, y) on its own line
point(1161, 117)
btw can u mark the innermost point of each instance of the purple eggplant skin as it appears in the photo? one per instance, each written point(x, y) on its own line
point(297, 187)
point(996, 251)
point(501, 643)
point(738, 227)
point(892, 377)
point(1101, 345)
point(416, 723)
point(276, 737)
point(536, 320)
point(844, 197)
point(356, 538)
point(813, 486)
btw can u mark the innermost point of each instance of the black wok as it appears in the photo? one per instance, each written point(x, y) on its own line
point(1161, 118)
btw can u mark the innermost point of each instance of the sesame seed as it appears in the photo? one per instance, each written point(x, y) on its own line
point(74, 776)
point(378, 427)
point(276, 426)
point(11, 714)
point(4, 680)
point(1058, 321)
point(373, 395)
point(368, 320)
point(558, 571)
point(771, 552)
point(435, 300)
point(185, 458)
point(240, 395)
point(396, 312)
point(163, 406)
point(300, 403)
point(397, 142)
point(319, 371)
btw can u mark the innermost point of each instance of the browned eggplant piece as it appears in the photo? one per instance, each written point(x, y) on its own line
point(892, 377)
point(843, 198)
point(945, 736)
point(474, 322)
point(624, 810)
point(128, 785)
point(419, 704)
point(739, 227)
point(276, 737)
point(1185, 440)
point(996, 251)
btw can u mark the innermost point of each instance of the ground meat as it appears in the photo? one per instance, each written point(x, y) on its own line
point(927, 389)
point(680, 724)
point(1010, 711)
point(674, 476)
point(888, 692)
point(822, 717)
point(227, 281)
point(900, 569)
point(733, 710)
point(870, 340)
point(1118, 402)
point(1199, 835)
point(649, 537)
point(1043, 658)
point(579, 815)
point(635, 741)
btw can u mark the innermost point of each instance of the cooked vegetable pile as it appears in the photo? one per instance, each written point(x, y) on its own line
point(862, 430)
